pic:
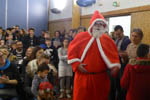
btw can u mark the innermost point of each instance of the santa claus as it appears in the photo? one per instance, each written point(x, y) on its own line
point(91, 54)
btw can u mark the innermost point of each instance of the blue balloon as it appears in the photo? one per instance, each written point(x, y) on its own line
point(85, 3)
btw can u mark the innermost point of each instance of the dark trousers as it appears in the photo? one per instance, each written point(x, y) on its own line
point(116, 92)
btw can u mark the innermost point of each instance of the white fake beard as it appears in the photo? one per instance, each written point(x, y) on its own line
point(97, 32)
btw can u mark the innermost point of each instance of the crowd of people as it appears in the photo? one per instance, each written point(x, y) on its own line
point(127, 49)
point(41, 68)
point(22, 54)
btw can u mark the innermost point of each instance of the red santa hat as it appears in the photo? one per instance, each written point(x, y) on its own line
point(97, 17)
point(45, 86)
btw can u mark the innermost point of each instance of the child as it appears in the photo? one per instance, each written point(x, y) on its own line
point(136, 78)
point(41, 76)
point(65, 70)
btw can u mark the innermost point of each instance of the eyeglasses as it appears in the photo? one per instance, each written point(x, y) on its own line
point(99, 23)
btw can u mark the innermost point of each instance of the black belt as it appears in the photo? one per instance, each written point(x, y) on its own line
point(95, 72)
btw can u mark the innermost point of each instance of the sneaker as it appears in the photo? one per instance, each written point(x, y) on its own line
point(68, 95)
point(61, 96)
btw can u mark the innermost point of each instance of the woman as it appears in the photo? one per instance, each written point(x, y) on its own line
point(136, 78)
point(9, 78)
point(23, 63)
point(31, 68)
point(33, 64)
point(136, 38)
point(64, 70)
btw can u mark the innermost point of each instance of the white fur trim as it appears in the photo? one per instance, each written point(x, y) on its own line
point(74, 60)
point(106, 60)
point(114, 65)
point(89, 29)
point(86, 48)
point(83, 54)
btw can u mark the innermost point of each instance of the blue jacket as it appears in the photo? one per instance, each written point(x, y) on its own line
point(126, 41)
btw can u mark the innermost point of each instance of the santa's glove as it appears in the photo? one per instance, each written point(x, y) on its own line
point(115, 71)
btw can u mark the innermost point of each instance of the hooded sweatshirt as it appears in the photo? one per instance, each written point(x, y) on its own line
point(36, 82)
point(136, 80)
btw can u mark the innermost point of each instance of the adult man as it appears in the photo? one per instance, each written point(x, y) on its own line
point(19, 52)
point(42, 37)
point(122, 42)
point(91, 54)
point(17, 28)
point(31, 39)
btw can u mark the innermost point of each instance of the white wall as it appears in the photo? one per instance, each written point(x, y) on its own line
point(65, 13)
point(108, 5)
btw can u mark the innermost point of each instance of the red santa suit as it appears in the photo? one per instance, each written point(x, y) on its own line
point(99, 54)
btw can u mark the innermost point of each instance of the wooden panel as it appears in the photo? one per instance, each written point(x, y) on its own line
point(61, 20)
point(59, 25)
point(75, 15)
point(121, 12)
point(142, 20)
point(85, 22)
point(86, 18)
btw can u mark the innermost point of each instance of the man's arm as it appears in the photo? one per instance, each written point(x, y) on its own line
point(7, 81)
point(15, 82)
point(114, 71)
